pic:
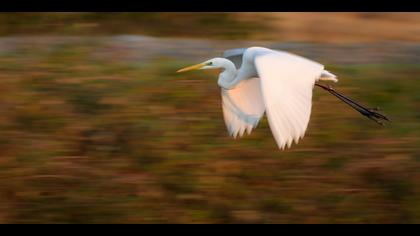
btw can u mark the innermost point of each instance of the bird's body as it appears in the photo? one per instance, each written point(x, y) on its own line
point(263, 83)
point(244, 66)
point(259, 80)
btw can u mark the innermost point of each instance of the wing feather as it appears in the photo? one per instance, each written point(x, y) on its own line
point(235, 55)
point(287, 81)
point(243, 107)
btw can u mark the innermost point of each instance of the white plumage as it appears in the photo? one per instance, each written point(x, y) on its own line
point(275, 82)
point(287, 83)
point(243, 106)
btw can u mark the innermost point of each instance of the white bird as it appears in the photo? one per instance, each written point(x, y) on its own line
point(256, 80)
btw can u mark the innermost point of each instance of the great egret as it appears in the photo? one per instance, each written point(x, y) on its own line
point(276, 82)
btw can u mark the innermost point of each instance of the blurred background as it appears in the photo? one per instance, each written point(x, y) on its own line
point(95, 126)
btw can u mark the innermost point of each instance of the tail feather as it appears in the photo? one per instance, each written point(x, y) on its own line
point(328, 76)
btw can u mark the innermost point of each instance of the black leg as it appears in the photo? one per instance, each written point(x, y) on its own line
point(370, 113)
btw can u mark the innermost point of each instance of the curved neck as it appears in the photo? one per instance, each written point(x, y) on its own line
point(228, 78)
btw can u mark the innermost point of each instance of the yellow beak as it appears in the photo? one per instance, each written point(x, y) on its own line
point(194, 67)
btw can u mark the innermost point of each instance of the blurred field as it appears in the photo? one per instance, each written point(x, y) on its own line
point(342, 27)
point(96, 127)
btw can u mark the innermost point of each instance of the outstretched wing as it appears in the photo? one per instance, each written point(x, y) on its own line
point(287, 81)
point(235, 55)
point(242, 107)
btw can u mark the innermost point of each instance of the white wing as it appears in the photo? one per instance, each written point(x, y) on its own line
point(242, 107)
point(235, 55)
point(287, 81)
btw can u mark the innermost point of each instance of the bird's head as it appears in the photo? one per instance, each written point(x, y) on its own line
point(209, 64)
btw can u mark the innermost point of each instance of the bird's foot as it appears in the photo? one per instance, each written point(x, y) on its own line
point(371, 113)
point(377, 117)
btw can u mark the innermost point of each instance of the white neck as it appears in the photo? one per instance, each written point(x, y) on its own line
point(227, 79)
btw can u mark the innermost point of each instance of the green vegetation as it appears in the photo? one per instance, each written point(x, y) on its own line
point(206, 25)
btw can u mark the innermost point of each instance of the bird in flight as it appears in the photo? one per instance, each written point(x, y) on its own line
point(259, 80)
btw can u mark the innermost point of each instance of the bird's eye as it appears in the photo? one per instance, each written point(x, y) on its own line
point(209, 63)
